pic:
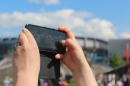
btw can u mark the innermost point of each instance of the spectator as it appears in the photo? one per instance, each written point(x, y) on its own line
point(119, 82)
point(6, 81)
point(109, 83)
point(125, 80)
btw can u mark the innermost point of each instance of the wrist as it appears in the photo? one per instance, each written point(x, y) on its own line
point(26, 79)
point(79, 73)
point(80, 68)
point(27, 74)
point(82, 76)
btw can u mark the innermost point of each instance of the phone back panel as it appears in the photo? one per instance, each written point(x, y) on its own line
point(50, 67)
point(48, 39)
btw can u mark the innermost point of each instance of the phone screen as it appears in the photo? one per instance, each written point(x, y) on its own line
point(48, 39)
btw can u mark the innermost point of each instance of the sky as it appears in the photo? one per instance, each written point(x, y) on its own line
point(104, 19)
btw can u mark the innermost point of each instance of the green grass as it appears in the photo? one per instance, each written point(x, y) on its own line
point(72, 83)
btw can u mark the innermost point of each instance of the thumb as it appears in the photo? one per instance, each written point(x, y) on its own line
point(70, 44)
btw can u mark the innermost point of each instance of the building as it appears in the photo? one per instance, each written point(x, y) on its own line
point(118, 46)
point(96, 49)
point(7, 46)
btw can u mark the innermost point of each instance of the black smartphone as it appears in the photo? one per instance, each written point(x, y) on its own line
point(48, 39)
point(49, 43)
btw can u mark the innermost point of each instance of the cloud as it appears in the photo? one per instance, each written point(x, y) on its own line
point(76, 21)
point(97, 27)
point(47, 2)
point(6, 34)
point(125, 35)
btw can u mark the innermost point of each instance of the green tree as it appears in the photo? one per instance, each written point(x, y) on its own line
point(116, 61)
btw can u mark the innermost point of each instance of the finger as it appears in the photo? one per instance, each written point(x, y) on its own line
point(58, 56)
point(68, 32)
point(18, 48)
point(69, 43)
point(30, 37)
point(23, 39)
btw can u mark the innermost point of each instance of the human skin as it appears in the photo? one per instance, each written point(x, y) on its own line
point(75, 60)
point(26, 60)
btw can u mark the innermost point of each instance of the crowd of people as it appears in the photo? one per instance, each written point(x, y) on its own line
point(113, 80)
point(102, 80)
point(56, 82)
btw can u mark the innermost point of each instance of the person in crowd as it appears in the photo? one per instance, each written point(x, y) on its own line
point(6, 81)
point(125, 80)
point(113, 79)
point(109, 77)
point(100, 79)
point(109, 83)
point(105, 81)
point(64, 83)
point(26, 60)
point(119, 82)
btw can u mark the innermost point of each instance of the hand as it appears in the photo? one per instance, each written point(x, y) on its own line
point(26, 58)
point(75, 60)
point(74, 57)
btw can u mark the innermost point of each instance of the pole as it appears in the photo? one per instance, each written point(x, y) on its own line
point(127, 52)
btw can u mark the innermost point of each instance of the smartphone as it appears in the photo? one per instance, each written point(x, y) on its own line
point(48, 39)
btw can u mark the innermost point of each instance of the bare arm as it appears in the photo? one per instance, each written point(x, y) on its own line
point(83, 76)
point(75, 60)
point(26, 60)
point(27, 80)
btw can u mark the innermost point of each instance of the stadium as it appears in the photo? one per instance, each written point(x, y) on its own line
point(95, 49)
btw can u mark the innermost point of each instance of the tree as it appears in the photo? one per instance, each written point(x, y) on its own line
point(116, 61)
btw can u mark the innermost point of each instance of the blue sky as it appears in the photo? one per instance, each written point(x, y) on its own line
point(96, 18)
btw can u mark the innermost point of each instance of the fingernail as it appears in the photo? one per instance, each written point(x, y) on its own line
point(24, 29)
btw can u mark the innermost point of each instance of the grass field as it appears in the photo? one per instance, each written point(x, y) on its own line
point(72, 83)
